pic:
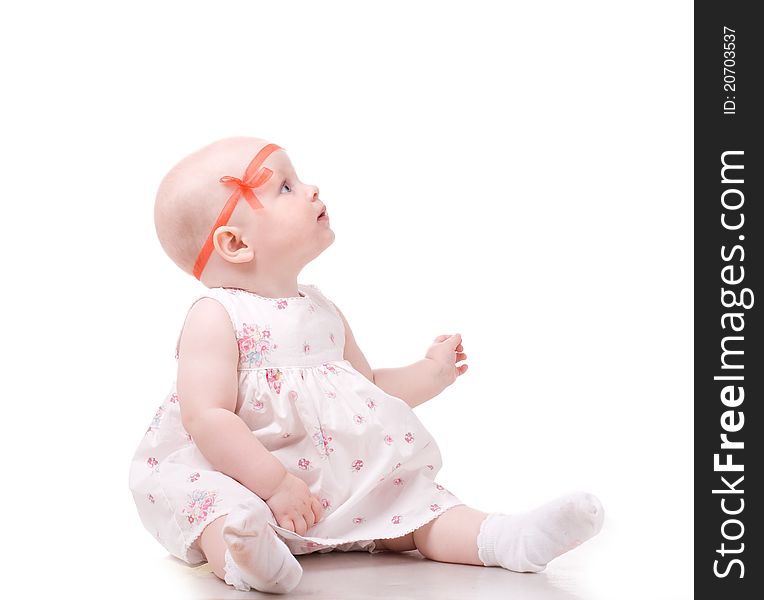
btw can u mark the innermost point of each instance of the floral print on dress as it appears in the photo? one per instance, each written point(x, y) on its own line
point(254, 345)
point(393, 470)
point(329, 368)
point(358, 520)
point(357, 465)
point(322, 441)
point(199, 505)
point(396, 519)
point(275, 378)
point(156, 420)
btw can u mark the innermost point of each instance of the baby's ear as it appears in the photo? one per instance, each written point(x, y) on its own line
point(229, 243)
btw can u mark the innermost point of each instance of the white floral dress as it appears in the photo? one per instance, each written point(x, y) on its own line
point(361, 451)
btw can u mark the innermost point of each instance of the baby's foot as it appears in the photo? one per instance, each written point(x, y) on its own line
point(260, 558)
point(528, 541)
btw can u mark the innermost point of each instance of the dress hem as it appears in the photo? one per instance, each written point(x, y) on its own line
point(328, 542)
point(198, 534)
point(422, 524)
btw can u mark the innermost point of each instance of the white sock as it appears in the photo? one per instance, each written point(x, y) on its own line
point(256, 556)
point(527, 542)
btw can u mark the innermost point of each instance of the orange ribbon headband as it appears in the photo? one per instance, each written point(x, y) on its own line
point(253, 178)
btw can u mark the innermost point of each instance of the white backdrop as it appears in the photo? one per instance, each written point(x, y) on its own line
point(521, 174)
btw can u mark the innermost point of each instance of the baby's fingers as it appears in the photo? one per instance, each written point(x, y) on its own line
point(286, 524)
point(318, 509)
point(300, 526)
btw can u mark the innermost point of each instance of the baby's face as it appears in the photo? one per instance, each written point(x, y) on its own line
point(288, 227)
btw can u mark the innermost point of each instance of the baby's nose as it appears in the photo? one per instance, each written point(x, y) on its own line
point(313, 193)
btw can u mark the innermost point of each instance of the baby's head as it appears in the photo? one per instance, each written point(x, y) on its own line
point(280, 236)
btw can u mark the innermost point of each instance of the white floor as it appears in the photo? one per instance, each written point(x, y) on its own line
point(354, 575)
point(590, 572)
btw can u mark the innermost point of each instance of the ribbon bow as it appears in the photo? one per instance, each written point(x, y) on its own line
point(254, 177)
point(245, 187)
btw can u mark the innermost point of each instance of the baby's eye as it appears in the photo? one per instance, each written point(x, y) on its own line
point(285, 185)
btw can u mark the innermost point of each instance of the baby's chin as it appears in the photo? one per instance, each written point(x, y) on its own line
point(330, 236)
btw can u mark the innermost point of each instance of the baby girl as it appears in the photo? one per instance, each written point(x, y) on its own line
point(277, 437)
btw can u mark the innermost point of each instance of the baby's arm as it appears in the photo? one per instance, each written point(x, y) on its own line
point(414, 384)
point(207, 387)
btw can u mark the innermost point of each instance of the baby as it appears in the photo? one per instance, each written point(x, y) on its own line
point(277, 437)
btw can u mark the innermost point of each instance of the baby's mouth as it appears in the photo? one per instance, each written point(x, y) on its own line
point(323, 216)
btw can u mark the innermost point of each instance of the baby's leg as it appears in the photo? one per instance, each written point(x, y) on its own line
point(213, 545)
point(436, 540)
point(523, 542)
point(452, 537)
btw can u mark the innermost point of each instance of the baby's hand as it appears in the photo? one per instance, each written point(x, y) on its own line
point(293, 507)
point(446, 352)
